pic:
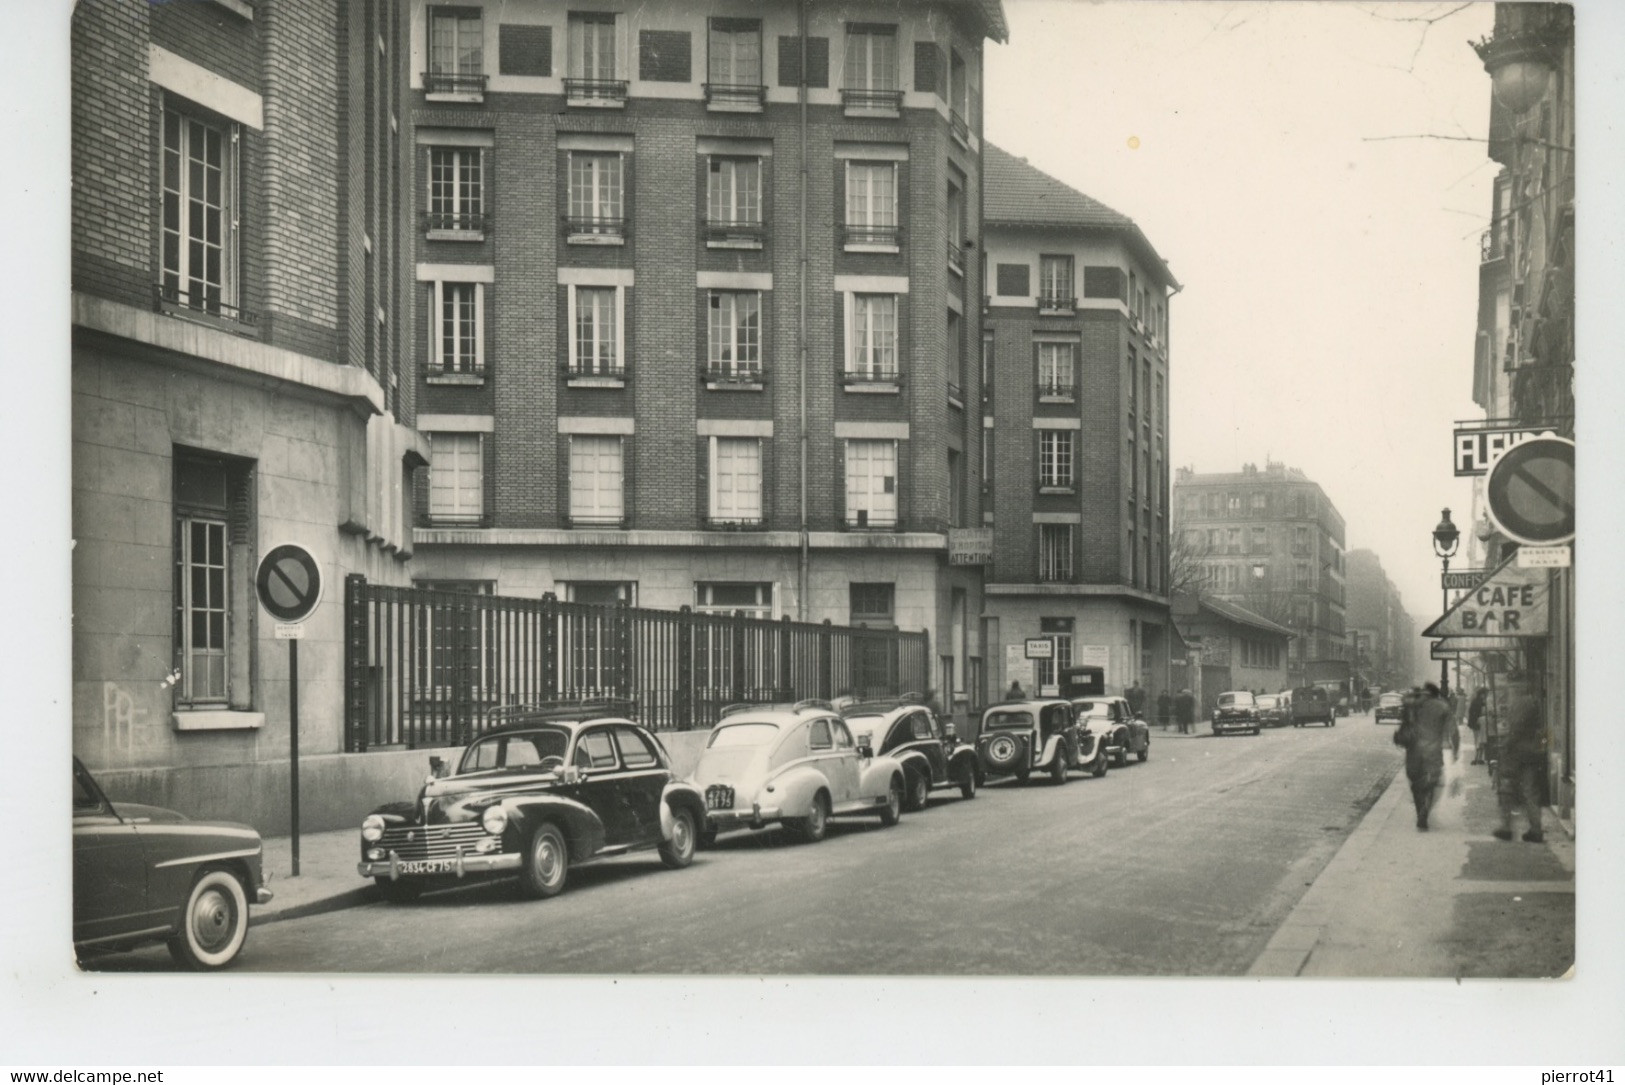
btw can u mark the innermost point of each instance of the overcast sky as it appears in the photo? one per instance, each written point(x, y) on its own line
point(1330, 278)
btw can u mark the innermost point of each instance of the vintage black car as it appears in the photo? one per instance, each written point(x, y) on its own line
point(931, 753)
point(550, 786)
point(143, 874)
point(1021, 737)
point(1114, 731)
point(1311, 704)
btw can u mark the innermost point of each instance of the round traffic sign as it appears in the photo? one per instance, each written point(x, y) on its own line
point(289, 583)
point(1530, 491)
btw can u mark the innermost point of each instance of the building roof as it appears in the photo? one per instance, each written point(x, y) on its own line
point(1239, 614)
point(1015, 193)
point(992, 13)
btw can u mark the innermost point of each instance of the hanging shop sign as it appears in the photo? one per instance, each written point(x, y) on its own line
point(1510, 602)
point(1477, 448)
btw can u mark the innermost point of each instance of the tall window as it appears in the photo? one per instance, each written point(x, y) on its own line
point(456, 189)
point(214, 534)
point(1046, 671)
point(733, 191)
point(1055, 288)
point(871, 57)
point(871, 483)
point(872, 338)
point(1260, 540)
point(596, 206)
point(736, 480)
point(459, 327)
point(872, 605)
point(596, 349)
point(595, 480)
point(736, 53)
point(592, 45)
point(1055, 369)
point(199, 232)
point(1055, 458)
point(956, 223)
point(956, 352)
point(1054, 552)
point(1300, 575)
point(735, 333)
point(1300, 540)
point(871, 202)
point(456, 41)
point(1232, 540)
point(456, 478)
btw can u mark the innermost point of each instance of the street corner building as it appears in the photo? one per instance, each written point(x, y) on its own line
point(1075, 385)
point(648, 305)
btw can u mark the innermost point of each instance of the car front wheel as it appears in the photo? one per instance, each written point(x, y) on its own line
point(967, 783)
point(214, 922)
point(892, 812)
point(678, 852)
point(547, 863)
point(1057, 768)
point(1098, 768)
point(1145, 751)
point(919, 790)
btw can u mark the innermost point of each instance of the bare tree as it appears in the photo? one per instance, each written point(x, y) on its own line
point(1187, 570)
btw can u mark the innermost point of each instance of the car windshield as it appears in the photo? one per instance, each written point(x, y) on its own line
point(1388, 700)
point(516, 750)
point(1093, 709)
point(1235, 700)
point(995, 720)
point(743, 734)
point(1268, 701)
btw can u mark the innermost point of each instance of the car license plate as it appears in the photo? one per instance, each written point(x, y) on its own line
point(718, 797)
point(427, 866)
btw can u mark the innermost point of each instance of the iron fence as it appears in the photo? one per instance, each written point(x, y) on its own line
point(427, 668)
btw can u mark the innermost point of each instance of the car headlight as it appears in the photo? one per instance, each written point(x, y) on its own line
point(372, 828)
point(495, 819)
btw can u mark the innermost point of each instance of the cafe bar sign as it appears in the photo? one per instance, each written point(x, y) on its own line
point(1510, 602)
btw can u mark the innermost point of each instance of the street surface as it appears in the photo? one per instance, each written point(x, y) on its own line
point(1183, 865)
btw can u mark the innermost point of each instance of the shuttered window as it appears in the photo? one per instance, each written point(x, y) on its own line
point(456, 478)
point(595, 480)
point(736, 480)
point(871, 483)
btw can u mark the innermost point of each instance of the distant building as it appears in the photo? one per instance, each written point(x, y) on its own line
point(1377, 625)
point(1237, 648)
point(1075, 379)
point(1272, 541)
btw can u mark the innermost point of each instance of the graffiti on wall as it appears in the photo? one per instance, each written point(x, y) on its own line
point(124, 722)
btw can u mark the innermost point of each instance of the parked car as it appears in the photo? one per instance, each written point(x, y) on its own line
point(930, 751)
point(1311, 704)
point(796, 765)
point(144, 874)
point(551, 786)
point(1236, 711)
point(1114, 729)
point(1019, 738)
point(1390, 706)
point(1274, 709)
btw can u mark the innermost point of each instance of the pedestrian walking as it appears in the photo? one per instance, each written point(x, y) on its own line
point(1165, 709)
point(1015, 692)
point(1521, 765)
point(1426, 728)
point(1135, 696)
point(1475, 721)
point(1185, 711)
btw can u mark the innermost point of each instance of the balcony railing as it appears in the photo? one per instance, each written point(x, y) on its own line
point(957, 125)
point(582, 367)
point(868, 234)
point(469, 371)
point(1053, 573)
point(595, 227)
point(956, 256)
point(461, 222)
point(593, 519)
point(1055, 388)
point(1056, 303)
point(734, 523)
point(872, 375)
point(596, 91)
point(869, 520)
point(1491, 246)
point(736, 232)
point(859, 99)
point(174, 300)
point(733, 372)
point(471, 83)
point(739, 96)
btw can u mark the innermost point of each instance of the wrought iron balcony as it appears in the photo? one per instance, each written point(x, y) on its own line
point(868, 234)
point(586, 519)
point(586, 367)
point(869, 520)
point(738, 96)
point(957, 125)
point(956, 256)
point(460, 222)
point(596, 91)
point(734, 523)
point(1053, 573)
point(470, 83)
point(1056, 388)
point(864, 100)
point(735, 232)
point(733, 372)
point(1057, 303)
point(887, 374)
point(595, 227)
point(207, 304)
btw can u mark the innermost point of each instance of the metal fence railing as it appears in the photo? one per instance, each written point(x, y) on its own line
point(426, 668)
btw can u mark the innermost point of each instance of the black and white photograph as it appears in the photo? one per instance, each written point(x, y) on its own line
point(953, 490)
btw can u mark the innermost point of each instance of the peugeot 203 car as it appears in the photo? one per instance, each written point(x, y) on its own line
point(931, 753)
point(551, 787)
point(144, 874)
point(1113, 728)
point(1273, 709)
point(1019, 738)
point(1236, 711)
point(796, 765)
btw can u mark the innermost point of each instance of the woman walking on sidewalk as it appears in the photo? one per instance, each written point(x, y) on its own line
point(1519, 769)
point(1429, 724)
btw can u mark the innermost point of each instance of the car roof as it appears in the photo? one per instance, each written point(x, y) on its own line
point(1029, 702)
point(570, 725)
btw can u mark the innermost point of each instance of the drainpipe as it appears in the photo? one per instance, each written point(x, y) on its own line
point(803, 587)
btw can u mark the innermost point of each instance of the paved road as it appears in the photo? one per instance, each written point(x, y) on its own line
point(1183, 865)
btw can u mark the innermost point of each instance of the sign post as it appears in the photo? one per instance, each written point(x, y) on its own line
point(289, 584)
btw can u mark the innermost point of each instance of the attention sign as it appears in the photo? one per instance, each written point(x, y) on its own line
point(1511, 602)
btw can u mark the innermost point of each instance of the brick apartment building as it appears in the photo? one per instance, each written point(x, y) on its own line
point(1272, 541)
point(238, 313)
point(1378, 627)
point(1075, 414)
point(698, 287)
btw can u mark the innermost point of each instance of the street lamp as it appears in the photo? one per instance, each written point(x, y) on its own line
point(1445, 539)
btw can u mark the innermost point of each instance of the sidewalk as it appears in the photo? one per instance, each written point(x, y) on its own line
point(327, 879)
point(1452, 902)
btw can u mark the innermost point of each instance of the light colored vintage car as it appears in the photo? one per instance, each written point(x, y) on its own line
point(144, 874)
point(797, 765)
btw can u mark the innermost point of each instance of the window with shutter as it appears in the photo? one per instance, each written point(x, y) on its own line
point(871, 483)
point(596, 480)
point(456, 478)
point(1012, 280)
point(736, 480)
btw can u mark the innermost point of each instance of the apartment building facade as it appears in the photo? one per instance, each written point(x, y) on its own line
point(1378, 628)
point(1272, 541)
point(238, 316)
point(1075, 379)
point(698, 290)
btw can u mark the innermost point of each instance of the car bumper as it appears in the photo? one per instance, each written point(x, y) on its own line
point(263, 895)
point(464, 864)
point(754, 818)
point(1220, 726)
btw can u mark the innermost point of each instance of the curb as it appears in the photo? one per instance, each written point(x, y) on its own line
point(349, 898)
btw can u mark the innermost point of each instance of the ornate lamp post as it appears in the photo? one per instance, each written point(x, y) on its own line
point(1445, 539)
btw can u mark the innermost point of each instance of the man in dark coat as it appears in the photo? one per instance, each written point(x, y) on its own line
point(1475, 722)
point(1185, 711)
point(1165, 708)
point(1135, 696)
point(1519, 768)
point(1432, 726)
